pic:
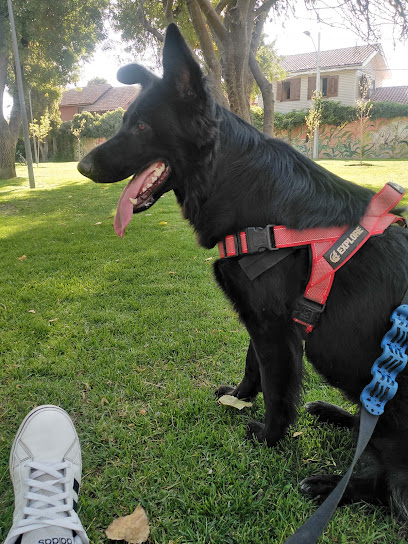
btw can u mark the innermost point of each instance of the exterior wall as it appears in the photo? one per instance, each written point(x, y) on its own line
point(375, 69)
point(85, 146)
point(381, 139)
point(347, 89)
point(68, 112)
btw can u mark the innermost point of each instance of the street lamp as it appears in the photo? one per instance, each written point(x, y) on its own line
point(316, 132)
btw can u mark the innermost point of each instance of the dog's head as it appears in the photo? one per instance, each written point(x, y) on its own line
point(162, 131)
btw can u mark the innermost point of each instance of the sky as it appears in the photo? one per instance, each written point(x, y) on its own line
point(290, 39)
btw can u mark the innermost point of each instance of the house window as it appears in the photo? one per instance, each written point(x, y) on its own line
point(288, 90)
point(329, 86)
point(324, 86)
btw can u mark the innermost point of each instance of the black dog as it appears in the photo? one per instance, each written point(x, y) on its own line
point(228, 176)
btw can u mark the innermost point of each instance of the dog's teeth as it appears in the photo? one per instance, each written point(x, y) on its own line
point(133, 200)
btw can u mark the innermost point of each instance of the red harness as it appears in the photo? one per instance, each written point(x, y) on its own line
point(331, 248)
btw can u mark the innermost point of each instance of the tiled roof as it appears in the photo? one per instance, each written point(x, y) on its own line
point(336, 58)
point(113, 98)
point(85, 96)
point(390, 94)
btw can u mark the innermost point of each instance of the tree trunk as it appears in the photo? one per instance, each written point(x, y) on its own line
point(7, 153)
point(8, 131)
point(236, 57)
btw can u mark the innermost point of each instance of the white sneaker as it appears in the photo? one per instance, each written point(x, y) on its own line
point(45, 468)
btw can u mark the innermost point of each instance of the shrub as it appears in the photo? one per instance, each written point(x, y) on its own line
point(389, 110)
point(257, 114)
point(109, 123)
point(336, 113)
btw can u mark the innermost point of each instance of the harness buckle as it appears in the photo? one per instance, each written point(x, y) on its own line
point(307, 313)
point(260, 239)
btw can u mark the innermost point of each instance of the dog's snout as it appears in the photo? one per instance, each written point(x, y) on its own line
point(85, 167)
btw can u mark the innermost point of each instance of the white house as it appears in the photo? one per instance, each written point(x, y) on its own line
point(341, 72)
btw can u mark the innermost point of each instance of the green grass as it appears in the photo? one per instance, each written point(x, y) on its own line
point(132, 337)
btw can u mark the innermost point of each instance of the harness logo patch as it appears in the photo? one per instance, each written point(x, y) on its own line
point(334, 257)
point(345, 245)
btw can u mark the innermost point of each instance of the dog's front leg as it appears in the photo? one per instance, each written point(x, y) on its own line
point(279, 355)
point(250, 385)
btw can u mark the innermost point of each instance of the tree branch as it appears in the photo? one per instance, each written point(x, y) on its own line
point(146, 25)
point(168, 10)
point(213, 19)
point(265, 8)
point(267, 94)
point(207, 46)
point(222, 5)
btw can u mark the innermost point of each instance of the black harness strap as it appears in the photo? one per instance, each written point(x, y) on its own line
point(255, 265)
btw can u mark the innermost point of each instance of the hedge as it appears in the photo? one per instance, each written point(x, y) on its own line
point(333, 113)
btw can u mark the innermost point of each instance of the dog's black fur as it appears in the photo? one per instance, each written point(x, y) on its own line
point(227, 176)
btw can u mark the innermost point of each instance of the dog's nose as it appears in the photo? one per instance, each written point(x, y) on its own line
point(85, 167)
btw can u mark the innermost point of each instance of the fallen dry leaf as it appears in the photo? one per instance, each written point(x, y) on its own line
point(98, 223)
point(163, 223)
point(229, 400)
point(134, 528)
point(296, 434)
point(143, 412)
point(53, 320)
point(31, 311)
point(22, 258)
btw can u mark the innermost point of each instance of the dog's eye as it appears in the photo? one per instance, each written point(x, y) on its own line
point(141, 126)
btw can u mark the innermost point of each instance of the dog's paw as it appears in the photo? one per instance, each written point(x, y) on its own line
point(330, 413)
point(257, 431)
point(319, 487)
point(225, 390)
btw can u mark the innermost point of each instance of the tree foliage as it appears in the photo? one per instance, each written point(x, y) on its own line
point(53, 37)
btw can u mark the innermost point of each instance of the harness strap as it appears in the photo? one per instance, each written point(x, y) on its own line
point(331, 248)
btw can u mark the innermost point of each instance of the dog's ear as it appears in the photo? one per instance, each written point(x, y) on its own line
point(179, 67)
point(134, 73)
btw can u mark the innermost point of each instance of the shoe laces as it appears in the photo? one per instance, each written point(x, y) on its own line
point(47, 499)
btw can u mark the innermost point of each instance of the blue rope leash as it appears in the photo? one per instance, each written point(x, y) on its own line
point(374, 396)
point(383, 386)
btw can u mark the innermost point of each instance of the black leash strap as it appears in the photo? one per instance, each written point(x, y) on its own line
point(314, 526)
point(374, 397)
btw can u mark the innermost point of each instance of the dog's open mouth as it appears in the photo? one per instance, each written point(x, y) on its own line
point(138, 194)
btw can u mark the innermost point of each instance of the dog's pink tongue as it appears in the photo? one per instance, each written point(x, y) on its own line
point(125, 207)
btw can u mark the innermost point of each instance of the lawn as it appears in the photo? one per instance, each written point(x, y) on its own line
point(131, 336)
